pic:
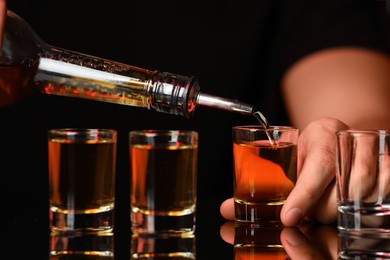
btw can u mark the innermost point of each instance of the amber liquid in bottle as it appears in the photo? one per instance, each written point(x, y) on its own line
point(14, 84)
point(28, 64)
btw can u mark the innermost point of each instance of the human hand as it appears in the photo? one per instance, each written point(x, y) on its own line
point(314, 195)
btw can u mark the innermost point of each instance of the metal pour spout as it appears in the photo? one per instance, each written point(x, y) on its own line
point(225, 104)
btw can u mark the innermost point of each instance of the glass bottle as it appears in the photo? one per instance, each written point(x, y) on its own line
point(26, 59)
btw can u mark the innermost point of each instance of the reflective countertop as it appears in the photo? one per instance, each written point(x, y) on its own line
point(27, 236)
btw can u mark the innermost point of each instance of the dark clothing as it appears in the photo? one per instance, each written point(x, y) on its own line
point(237, 49)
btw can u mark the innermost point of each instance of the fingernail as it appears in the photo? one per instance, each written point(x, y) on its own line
point(294, 216)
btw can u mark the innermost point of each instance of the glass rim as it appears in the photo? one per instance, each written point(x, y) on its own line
point(75, 130)
point(262, 128)
point(162, 132)
point(363, 132)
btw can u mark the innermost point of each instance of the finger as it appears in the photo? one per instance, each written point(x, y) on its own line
point(325, 237)
point(297, 245)
point(315, 176)
point(227, 209)
point(316, 167)
point(305, 195)
point(362, 179)
point(381, 186)
point(325, 210)
point(384, 177)
point(328, 239)
point(227, 232)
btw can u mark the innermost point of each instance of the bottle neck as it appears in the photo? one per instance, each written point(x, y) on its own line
point(174, 94)
point(180, 95)
point(227, 104)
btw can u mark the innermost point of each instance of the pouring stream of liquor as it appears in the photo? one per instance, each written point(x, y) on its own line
point(236, 106)
point(263, 121)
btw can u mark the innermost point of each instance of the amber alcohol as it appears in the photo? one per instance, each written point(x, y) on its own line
point(14, 84)
point(81, 184)
point(163, 192)
point(265, 173)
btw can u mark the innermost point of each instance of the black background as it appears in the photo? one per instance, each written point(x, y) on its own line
point(224, 43)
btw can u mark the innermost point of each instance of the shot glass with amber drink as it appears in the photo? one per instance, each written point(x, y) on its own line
point(265, 172)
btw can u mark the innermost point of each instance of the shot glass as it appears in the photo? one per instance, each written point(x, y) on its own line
point(363, 182)
point(163, 167)
point(265, 172)
point(82, 179)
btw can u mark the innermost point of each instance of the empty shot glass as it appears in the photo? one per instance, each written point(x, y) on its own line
point(363, 182)
point(163, 167)
point(265, 172)
point(82, 179)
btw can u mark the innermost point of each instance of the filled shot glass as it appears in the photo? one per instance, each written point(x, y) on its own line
point(81, 179)
point(163, 181)
point(265, 172)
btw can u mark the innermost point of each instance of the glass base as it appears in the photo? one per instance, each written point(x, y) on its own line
point(259, 214)
point(367, 221)
point(157, 224)
point(82, 223)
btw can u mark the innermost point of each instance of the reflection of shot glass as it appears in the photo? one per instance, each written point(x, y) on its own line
point(358, 246)
point(81, 179)
point(265, 171)
point(252, 242)
point(163, 247)
point(77, 247)
point(164, 178)
point(363, 182)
